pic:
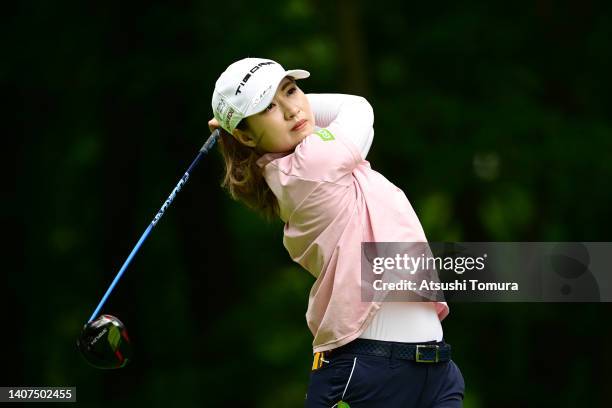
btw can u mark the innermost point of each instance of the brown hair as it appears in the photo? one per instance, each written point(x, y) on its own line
point(244, 178)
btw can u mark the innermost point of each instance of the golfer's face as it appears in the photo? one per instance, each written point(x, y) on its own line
point(285, 122)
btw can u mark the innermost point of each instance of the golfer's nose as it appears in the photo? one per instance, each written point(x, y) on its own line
point(291, 110)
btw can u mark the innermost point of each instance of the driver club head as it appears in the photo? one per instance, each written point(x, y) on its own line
point(104, 343)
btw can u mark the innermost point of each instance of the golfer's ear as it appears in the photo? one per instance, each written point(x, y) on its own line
point(244, 137)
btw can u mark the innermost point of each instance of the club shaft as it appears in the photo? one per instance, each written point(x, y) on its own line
point(205, 148)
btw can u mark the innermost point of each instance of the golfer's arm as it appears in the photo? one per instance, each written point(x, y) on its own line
point(353, 114)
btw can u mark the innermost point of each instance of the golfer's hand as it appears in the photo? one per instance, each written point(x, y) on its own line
point(213, 124)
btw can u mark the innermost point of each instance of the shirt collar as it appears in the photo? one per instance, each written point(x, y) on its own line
point(269, 157)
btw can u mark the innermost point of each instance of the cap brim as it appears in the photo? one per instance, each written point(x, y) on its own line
point(297, 73)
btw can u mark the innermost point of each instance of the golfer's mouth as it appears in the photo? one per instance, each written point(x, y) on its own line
point(299, 125)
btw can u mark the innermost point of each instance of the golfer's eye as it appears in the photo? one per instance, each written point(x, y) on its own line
point(269, 108)
point(292, 90)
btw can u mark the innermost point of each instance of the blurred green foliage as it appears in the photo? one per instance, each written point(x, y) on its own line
point(492, 117)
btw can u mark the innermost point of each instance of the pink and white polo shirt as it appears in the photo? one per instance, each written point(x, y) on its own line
point(331, 201)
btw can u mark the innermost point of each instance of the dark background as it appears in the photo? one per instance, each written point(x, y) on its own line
point(493, 118)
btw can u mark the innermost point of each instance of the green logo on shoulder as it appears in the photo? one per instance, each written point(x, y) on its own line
point(325, 135)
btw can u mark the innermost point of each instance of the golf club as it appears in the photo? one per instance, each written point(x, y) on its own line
point(104, 342)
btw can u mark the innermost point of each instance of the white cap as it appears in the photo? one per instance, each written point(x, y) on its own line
point(247, 87)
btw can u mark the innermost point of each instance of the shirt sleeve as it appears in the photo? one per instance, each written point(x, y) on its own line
point(349, 115)
point(324, 156)
point(320, 158)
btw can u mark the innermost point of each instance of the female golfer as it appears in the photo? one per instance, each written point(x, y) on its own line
point(302, 158)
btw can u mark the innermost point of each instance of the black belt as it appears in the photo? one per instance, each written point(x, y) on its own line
point(428, 352)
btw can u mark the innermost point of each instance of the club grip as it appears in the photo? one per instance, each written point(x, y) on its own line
point(210, 142)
